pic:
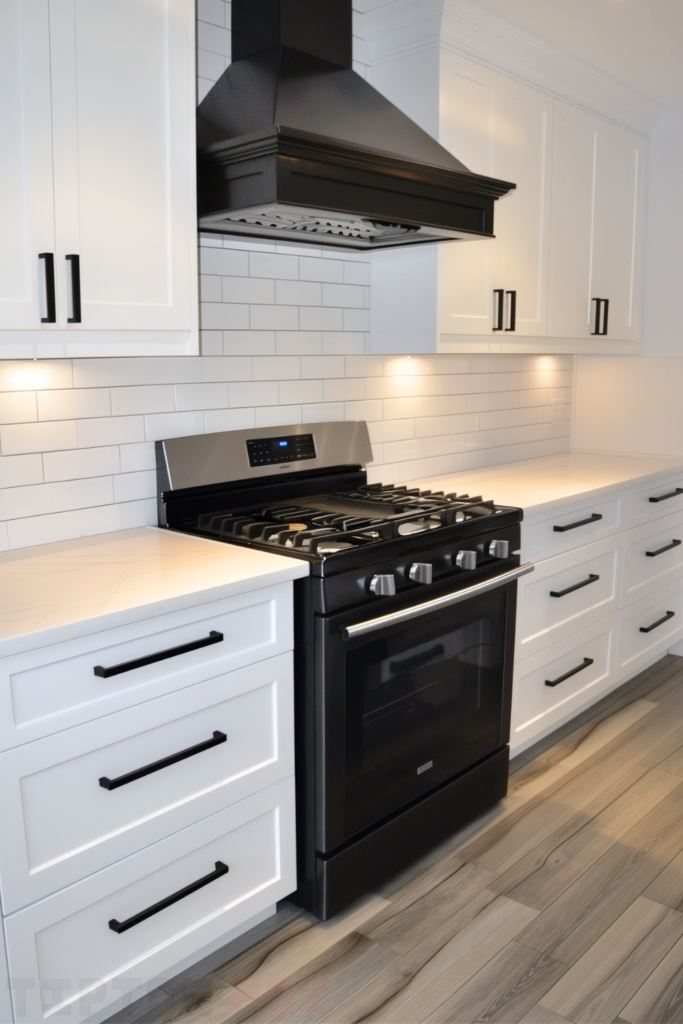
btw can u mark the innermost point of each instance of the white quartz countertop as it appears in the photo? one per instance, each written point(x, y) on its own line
point(104, 581)
point(540, 484)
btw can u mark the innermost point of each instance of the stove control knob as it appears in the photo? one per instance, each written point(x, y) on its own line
point(466, 559)
point(421, 572)
point(499, 549)
point(383, 586)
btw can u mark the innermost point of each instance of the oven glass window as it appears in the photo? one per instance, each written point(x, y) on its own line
point(423, 703)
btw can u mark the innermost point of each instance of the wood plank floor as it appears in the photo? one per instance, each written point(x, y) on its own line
point(565, 903)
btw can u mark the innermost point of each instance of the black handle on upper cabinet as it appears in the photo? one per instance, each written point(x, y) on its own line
point(50, 295)
point(574, 526)
point(659, 622)
point(123, 926)
point(669, 547)
point(665, 497)
point(605, 319)
point(75, 263)
point(172, 652)
point(499, 309)
point(156, 766)
point(513, 312)
point(577, 586)
point(601, 318)
point(573, 672)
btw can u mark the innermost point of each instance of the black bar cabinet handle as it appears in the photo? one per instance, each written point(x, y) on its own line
point(156, 766)
point(573, 672)
point(577, 586)
point(499, 309)
point(75, 262)
point(596, 517)
point(513, 312)
point(665, 497)
point(659, 622)
point(605, 318)
point(123, 926)
point(50, 295)
point(660, 551)
point(172, 652)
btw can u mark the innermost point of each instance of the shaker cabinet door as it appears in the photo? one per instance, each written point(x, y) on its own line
point(123, 162)
point(26, 200)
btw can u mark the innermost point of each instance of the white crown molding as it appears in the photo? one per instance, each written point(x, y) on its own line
point(477, 31)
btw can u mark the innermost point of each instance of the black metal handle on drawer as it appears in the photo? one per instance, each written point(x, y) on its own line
point(172, 652)
point(659, 622)
point(573, 672)
point(577, 586)
point(660, 551)
point(123, 926)
point(665, 497)
point(156, 766)
point(596, 517)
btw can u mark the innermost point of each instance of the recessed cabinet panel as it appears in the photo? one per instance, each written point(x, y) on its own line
point(26, 199)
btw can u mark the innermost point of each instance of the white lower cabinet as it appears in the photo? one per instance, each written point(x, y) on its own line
point(81, 949)
point(647, 628)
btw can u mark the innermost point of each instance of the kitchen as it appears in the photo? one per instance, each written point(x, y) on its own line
point(155, 808)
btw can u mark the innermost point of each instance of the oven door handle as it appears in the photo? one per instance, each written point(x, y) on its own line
point(417, 610)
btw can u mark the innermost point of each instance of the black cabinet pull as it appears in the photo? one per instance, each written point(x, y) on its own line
point(75, 264)
point(577, 586)
point(513, 312)
point(659, 622)
point(601, 318)
point(50, 295)
point(123, 926)
point(172, 652)
point(665, 497)
point(582, 522)
point(499, 309)
point(660, 551)
point(156, 766)
point(573, 672)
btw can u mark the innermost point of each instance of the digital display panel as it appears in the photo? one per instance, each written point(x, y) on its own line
point(273, 451)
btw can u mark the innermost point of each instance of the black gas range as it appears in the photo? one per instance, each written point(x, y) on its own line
point(404, 639)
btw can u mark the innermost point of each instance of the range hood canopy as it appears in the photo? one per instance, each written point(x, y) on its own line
point(294, 145)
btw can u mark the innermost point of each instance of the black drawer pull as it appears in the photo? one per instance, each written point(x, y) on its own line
point(172, 652)
point(659, 622)
point(156, 766)
point(568, 675)
point(665, 497)
point(582, 522)
point(577, 586)
point(123, 926)
point(660, 551)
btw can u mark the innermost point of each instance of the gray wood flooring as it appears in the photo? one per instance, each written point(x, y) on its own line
point(565, 903)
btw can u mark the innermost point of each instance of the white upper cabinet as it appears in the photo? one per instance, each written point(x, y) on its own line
point(597, 224)
point(105, 169)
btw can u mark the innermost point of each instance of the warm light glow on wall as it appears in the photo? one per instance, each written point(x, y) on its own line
point(28, 380)
point(406, 367)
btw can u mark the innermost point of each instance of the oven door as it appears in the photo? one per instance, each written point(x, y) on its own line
point(408, 700)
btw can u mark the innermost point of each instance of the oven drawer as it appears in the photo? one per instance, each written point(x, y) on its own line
point(566, 593)
point(68, 936)
point(580, 669)
point(53, 688)
point(78, 801)
point(653, 556)
point(648, 628)
point(657, 498)
point(570, 526)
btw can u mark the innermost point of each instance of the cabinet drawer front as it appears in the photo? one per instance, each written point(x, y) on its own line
point(68, 936)
point(587, 585)
point(637, 648)
point(56, 687)
point(570, 527)
point(78, 801)
point(653, 556)
point(655, 499)
point(580, 669)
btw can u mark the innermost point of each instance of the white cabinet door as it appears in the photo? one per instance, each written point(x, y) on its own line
point(26, 199)
point(123, 161)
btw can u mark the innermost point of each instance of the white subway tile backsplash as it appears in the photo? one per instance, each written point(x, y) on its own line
point(136, 457)
point(216, 316)
point(274, 265)
point(218, 420)
point(298, 392)
point(135, 486)
point(106, 373)
point(253, 289)
point(278, 415)
point(226, 368)
point(211, 343)
point(255, 394)
point(298, 293)
point(322, 366)
point(299, 343)
point(321, 270)
point(173, 424)
point(212, 11)
point(249, 343)
point(46, 498)
point(30, 375)
point(345, 390)
point(356, 320)
point(345, 295)
point(114, 430)
point(143, 399)
point(214, 38)
point(276, 368)
point(319, 318)
point(81, 463)
point(82, 404)
point(223, 262)
point(19, 470)
point(23, 438)
point(201, 396)
point(274, 318)
point(18, 407)
point(172, 370)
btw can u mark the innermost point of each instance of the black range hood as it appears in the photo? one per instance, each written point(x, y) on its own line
point(295, 146)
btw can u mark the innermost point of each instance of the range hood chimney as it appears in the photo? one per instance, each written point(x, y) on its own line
point(295, 146)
